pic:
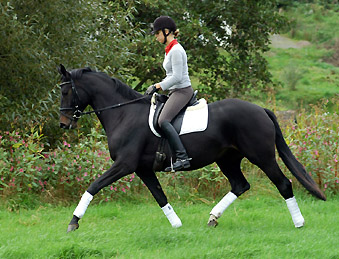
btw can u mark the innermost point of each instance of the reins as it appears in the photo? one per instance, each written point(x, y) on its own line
point(75, 99)
point(114, 106)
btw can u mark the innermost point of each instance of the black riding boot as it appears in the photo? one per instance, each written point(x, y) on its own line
point(182, 160)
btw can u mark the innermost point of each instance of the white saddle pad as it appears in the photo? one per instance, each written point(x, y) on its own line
point(195, 118)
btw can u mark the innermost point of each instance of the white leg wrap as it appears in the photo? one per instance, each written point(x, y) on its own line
point(83, 204)
point(171, 216)
point(219, 209)
point(297, 218)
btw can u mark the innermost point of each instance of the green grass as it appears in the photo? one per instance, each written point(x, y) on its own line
point(253, 227)
point(314, 22)
point(317, 79)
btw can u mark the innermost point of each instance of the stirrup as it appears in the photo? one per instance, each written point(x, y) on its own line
point(178, 165)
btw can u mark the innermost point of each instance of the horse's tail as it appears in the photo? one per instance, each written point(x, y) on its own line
point(292, 163)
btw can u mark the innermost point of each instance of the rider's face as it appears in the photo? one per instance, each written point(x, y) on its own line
point(160, 35)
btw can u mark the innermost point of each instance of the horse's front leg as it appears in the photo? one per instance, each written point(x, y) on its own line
point(117, 171)
point(152, 183)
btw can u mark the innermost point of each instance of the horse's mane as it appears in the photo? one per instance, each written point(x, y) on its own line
point(120, 87)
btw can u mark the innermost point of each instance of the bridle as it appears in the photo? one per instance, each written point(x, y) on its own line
point(77, 113)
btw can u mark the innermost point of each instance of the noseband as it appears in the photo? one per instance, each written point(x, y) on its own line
point(77, 113)
point(75, 101)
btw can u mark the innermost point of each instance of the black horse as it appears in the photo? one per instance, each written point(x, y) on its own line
point(236, 129)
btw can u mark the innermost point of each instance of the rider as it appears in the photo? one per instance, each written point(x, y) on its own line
point(177, 82)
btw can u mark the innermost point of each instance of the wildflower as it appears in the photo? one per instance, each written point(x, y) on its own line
point(123, 189)
point(85, 174)
point(21, 170)
point(325, 185)
point(111, 188)
point(316, 152)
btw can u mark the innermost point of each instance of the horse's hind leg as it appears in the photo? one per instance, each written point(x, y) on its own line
point(272, 170)
point(230, 166)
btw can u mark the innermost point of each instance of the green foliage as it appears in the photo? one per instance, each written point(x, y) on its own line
point(66, 171)
point(113, 36)
point(291, 76)
point(314, 22)
point(316, 78)
point(315, 142)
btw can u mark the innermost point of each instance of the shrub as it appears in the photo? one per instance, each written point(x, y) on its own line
point(314, 141)
point(28, 170)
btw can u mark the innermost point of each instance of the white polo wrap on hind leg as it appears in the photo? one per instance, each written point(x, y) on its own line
point(297, 218)
point(219, 209)
point(171, 216)
point(83, 204)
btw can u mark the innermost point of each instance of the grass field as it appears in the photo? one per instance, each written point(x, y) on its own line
point(308, 73)
point(304, 76)
point(256, 226)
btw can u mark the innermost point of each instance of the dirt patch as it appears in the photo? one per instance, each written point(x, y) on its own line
point(282, 42)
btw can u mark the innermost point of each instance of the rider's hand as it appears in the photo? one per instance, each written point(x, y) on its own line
point(151, 90)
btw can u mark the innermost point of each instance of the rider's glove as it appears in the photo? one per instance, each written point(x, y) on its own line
point(151, 90)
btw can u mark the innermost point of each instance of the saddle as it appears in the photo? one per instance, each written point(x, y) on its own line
point(192, 118)
point(160, 101)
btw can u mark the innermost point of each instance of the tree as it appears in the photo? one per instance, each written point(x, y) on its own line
point(224, 41)
point(114, 37)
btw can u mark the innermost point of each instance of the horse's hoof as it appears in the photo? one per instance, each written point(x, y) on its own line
point(72, 227)
point(212, 222)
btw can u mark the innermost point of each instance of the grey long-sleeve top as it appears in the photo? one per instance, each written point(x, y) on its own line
point(175, 65)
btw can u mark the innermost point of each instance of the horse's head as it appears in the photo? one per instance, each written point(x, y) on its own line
point(70, 106)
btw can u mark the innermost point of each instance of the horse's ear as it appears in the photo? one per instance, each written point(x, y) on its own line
point(62, 70)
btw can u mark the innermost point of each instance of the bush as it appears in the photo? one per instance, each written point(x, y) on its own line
point(314, 140)
point(62, 174)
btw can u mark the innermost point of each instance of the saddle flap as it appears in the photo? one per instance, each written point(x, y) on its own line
point(191, 118)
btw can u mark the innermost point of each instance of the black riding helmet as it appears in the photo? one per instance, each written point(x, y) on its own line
point(162, 23)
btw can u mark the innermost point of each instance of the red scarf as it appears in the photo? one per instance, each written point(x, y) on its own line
point(170, 46)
